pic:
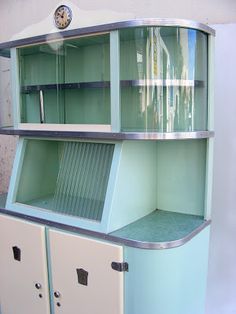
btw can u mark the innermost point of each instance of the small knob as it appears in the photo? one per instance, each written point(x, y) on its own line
point(57, 294)
point(38, 285)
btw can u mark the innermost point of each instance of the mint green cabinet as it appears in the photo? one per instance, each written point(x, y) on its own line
point(116, 143)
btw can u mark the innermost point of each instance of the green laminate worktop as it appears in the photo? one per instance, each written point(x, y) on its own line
point(161, 226)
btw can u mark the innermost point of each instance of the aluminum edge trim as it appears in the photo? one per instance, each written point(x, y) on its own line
point(163, 245)
point(110, 135)
point(109, 237)
point(109, 27)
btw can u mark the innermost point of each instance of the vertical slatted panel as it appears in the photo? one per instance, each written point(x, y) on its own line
point(82, 179)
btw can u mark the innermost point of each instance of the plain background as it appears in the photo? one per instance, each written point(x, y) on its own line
point(21, 18)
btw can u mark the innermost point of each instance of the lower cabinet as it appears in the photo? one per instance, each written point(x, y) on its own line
point(23, 268)
point(82, 277)
point(77, 269)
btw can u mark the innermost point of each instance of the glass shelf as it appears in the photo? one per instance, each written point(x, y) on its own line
point(35, 88)
point(103, 84)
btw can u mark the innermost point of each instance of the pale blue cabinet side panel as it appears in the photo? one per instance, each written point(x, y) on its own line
point(134, 192)
point(15, 175)
point(170, 281)
point(209, 178)
point(115, 80)
point(210, 147)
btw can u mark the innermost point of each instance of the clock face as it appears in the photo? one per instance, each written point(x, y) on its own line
point(62, 16)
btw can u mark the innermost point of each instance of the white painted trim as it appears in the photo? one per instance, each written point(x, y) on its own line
point(66, 127)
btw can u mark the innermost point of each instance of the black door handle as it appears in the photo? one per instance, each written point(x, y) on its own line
point(16, 253)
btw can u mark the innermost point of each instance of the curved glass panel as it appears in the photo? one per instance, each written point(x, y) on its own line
point(163, 74)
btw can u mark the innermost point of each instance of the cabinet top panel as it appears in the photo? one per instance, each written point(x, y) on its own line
point(109, 27)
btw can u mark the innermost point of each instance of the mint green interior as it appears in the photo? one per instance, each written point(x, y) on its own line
point(83, 60)
point(163, 53)
point(181, 170)
point(160, 226)
point(71, 178)
point(66, 177)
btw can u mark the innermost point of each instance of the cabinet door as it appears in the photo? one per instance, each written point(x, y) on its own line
point(83, 279)
point(23, 268)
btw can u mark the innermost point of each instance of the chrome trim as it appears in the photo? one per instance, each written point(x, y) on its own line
point(110, 135)
point(167, 135)
point(109, 237)
point(159, 82)
point(41, 107)
point(109, 27)
point(162, 245)
point(165, 22)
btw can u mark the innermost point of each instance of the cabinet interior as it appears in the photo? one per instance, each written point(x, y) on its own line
point(71, 178)
point(69, 79)
point(66, 177)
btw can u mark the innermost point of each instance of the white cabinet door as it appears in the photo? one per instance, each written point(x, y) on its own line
point(83, 279)
point(23, 268)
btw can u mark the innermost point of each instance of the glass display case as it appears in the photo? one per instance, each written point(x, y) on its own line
point(163, 74)
point(66, 82)
point(149, 79)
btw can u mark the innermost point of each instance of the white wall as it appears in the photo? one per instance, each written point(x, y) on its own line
point(222, 263)
point(25, 17)
point(16, 15)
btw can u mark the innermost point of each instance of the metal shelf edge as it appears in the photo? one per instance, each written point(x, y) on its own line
point(109, 135)
point(109, 27)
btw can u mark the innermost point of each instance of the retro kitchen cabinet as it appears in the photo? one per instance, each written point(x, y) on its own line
point(109, 204)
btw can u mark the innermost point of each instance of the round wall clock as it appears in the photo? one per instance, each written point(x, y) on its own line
point(62, 16)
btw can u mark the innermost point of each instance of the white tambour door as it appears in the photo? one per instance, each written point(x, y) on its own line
point(83, 279)
point(23, 268)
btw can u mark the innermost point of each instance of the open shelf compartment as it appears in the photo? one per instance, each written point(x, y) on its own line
point(107, 185)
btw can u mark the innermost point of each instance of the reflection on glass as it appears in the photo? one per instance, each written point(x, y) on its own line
point(163, 79)
point(6, 117)
point(66, 82)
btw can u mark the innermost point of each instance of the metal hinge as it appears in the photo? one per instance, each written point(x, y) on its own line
point(120, 266)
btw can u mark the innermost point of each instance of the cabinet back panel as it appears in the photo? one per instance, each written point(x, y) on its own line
point(181, 171)
point(88, 106)
point(39, 170)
